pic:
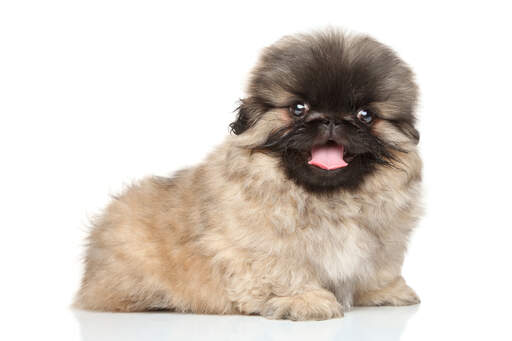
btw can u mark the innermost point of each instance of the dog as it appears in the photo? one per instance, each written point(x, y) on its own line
point(304, 211)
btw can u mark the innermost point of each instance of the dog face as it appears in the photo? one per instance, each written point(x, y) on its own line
point(333, 108)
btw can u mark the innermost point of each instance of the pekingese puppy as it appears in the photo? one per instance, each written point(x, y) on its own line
point(304, 211)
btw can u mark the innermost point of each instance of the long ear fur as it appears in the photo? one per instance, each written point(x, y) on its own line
point(247, 114)
point(410, 131)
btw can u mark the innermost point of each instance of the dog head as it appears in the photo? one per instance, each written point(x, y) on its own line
point(331, 107)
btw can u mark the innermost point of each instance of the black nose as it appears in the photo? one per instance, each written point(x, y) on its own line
point(328, 127)
point(322, 119)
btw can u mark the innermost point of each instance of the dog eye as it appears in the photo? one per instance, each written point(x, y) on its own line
point(299, 109)
point(365, 116)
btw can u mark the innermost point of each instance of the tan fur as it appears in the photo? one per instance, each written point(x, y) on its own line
point(235, 235)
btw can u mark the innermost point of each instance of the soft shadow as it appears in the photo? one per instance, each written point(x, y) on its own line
point(379, 323)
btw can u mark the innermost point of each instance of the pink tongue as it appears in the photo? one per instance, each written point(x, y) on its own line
point(328, 157)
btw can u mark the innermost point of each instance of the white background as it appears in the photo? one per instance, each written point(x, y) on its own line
point(95, 94)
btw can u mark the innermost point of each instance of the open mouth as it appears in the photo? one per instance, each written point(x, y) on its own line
point(330, 156)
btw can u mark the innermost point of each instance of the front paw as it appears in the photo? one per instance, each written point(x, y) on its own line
point(397, 293)
point(312, 305)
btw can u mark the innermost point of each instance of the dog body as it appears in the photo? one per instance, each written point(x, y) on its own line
point(242, 233)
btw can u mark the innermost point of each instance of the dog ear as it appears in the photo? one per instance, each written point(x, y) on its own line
point(246, 116)
point(408, 129)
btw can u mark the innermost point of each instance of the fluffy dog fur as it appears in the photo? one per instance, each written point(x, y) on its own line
point(254, 229)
